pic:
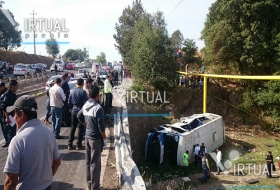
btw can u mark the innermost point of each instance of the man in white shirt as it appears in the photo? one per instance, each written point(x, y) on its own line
point(196, 150)
point(108, 93)
point(219, 159)
point(57, 97)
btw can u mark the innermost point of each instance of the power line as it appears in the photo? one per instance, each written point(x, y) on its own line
point(174, 8)
point(34, 31)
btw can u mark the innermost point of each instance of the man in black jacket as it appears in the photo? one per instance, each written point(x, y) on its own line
point(8, 99)
point(65, 109)
point(3, 89)
point(91, 116)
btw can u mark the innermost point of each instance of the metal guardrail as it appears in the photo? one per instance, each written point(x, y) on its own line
point(30, 92)
point(129, 175)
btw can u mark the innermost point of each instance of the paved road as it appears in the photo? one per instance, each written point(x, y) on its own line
point(71, 174)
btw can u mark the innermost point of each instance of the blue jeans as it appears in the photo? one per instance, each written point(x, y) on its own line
point(218, 169)
point(56, 120)
point(205, 171)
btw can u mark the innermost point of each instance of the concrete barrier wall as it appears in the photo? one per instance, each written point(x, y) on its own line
point(129, 175)
point(25, 79)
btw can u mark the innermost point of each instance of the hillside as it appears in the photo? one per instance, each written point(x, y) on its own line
point(21, 57)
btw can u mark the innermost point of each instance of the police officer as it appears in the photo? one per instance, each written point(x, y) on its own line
point(3, 89)
point(186, 162)
point(8, 99)
point(78, 97)
point(65, 109)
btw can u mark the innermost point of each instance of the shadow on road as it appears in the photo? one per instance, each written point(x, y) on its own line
point(72, 156)
point(57, 185)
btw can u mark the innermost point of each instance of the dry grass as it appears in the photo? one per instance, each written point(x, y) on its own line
point(21, 57)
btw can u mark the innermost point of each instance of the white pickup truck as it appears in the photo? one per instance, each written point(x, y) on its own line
point(80, 73)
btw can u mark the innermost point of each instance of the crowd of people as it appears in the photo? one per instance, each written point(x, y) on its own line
point(87, 115)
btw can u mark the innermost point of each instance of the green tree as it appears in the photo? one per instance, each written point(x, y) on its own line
point(101, 58)
point(52, 47)
point(125, 29)
point(151, 55)
point(177, 39)
point(245, 34)
point(76, 54)
point(71, 55)
point(10, 38)
point(189, 49)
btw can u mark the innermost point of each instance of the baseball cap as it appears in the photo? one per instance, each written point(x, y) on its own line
point(25, 102)
point(2, 84)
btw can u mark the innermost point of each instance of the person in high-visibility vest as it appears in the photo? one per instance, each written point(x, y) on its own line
point(108, 93)
point(186, 162)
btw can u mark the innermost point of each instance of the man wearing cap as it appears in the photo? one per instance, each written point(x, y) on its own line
point(32, 162)
point(8, 99)
point(78, 97)
point(3, 89)
point(57, 97)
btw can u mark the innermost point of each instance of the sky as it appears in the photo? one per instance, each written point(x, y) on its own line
point(91, 23)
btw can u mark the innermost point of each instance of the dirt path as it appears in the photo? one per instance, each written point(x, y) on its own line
point(110, 179)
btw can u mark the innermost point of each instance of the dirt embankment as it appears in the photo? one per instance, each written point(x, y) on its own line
point(21, 57)
point(183, 102)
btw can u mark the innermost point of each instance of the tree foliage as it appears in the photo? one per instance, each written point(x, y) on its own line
point(151, 53)
point(52, 47)
point(101, 58)
point(189, 49)
point(244, 33)
point(10, 38)
point(177, 39)
point(125, 29)
point(76, 54)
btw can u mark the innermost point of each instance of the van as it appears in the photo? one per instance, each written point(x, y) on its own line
point(117, 68)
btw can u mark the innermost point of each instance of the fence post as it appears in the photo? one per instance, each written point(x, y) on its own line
point(25, 76)
point(37, 76)
point(18, 78)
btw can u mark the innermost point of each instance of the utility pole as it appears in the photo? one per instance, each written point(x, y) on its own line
point(34, 31)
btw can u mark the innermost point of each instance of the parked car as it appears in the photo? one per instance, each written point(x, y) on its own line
point(80, 73)
point(52, 78)
point(23, 70)
point(43, 65)
point(70, 67)
point(38, 68)
point(59, 68)
point(6, 68)
point(103, 74)
point(59, 62)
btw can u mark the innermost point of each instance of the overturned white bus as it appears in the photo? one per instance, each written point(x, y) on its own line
point(168, 143)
